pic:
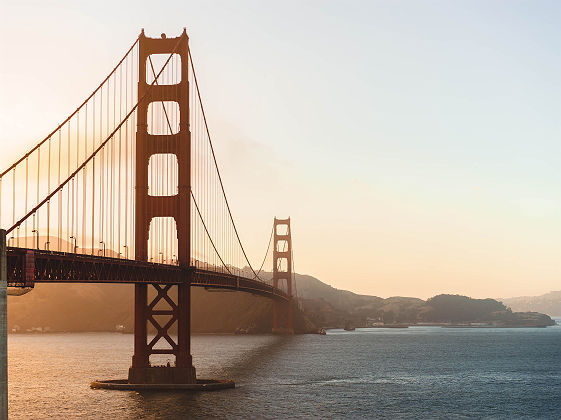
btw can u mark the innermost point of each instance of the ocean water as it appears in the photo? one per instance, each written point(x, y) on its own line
point(420, 372)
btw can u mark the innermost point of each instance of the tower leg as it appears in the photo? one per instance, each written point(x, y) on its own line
point(184, 358)
point(275, 316)
point(282, 318)
point(140, 358)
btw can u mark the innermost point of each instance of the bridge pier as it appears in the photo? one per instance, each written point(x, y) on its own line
point(282, 318)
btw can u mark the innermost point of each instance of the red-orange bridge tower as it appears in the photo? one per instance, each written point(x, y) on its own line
point(119, 193)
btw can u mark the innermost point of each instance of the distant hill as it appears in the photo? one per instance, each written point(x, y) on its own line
point(329, 307)
point(101, 307)
point(550, 303)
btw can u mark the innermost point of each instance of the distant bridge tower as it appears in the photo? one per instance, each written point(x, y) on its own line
point(148, 207)
point(282, 272)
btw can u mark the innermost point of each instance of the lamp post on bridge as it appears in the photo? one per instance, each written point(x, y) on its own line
point(75, 244)
point(36, 234)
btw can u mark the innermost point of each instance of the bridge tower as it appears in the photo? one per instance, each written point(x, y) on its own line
point(282, 272)
point(178, 305)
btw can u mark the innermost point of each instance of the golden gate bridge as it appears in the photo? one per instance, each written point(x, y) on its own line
point(127, 189)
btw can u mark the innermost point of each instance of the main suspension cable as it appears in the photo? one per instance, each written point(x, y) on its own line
point(266, 252)
point(208, 234)
point(71, 115)
point(216, 164)
point(100, 147)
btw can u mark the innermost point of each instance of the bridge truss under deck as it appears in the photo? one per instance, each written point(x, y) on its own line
point(25, 267)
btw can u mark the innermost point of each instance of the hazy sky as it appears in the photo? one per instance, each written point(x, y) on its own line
point(415, 144)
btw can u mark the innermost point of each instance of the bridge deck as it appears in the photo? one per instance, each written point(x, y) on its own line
point(25, 267)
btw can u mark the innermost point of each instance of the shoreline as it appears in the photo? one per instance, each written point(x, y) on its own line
point(401, 326)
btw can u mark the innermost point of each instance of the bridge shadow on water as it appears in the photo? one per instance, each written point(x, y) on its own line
point(242, 358)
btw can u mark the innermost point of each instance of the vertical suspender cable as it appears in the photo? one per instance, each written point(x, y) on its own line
point(14, 202)
point(36, 228)
point(26, 187)
point(126, 155)
point(68, 196)
point(119, 170)
point(84, 182)
point(59, 246)
point(48, 244)
point(93, 180)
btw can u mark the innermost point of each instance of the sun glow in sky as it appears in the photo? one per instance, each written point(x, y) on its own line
point(415, 144)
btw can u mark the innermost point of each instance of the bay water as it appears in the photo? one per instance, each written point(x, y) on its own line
point(418, 372)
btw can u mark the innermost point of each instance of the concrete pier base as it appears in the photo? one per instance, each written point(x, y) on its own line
point(199, 386)
point(283, 331)
point(162, 375)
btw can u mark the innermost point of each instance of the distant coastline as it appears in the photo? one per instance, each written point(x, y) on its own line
point(449, 311)
point(109, 308)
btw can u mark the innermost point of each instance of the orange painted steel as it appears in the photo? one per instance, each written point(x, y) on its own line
point(176, 206)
